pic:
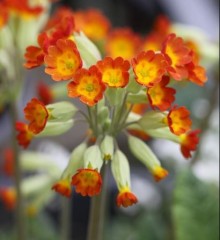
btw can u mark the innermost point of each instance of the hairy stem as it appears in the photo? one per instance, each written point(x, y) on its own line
point(65, 218)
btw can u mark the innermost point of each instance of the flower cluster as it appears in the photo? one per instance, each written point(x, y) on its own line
point(127, 83)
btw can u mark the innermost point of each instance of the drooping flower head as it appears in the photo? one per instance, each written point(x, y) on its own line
point(87, 85)
point(160, 95)
point(189, 142)
point(87, 182)
point(93, 23)
point(114, 71)
point(149, 67)
point(177, 55)
point(24, 136)
point(122, 42)
point(63, 60)
point(63, 187)
point(37, 114)
point(126, 198)
point(179, 120)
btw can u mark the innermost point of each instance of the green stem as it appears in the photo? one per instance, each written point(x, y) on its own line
point(20, 218)
point(65, 218)
point(97, 211)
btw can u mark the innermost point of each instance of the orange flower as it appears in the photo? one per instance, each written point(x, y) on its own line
point(24, 136)
point(8, 196)
point(87, 182)
point(161, 96)
point(93, 23)
point(149, 67)
point(153, 41)
point(178, 120)
point(45, 93)
point(114, 72)
point(126, 198)
point(159, 173)
point(37, 114)
point(35, 55)
point(87, 85)
point(63, 187)
point(63, 60)
point(162, 25)
point(122, 42)
point(189, 142)
point(138, 133)
point(8, 164)
point(177, 55)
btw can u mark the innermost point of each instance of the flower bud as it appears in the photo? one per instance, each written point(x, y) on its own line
point(56, 128)
point(152, 120)
point(61, 111)
point(120, 170)
point(143, 153)
point(93, 158)
point(107, 147)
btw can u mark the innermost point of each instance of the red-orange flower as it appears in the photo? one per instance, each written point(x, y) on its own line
point(177, 55)
point(179, 120)
point(149, 67)
point(162, 25)
point(45, 93)
point(87, 85)
point(93, 23)
point(35, 55)
point(114, 71)
point(153, 41)
point(8, 196)
point(24, 136)
point(87, 182)
point(160, 95)
point(37, 114)
point(126, 198)
point(63, 187)
point(122, 42)
point(159, 173)
point(8, 163)
point(189, 142)
point(62, 60)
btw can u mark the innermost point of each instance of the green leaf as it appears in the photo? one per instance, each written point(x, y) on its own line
point(195, 209)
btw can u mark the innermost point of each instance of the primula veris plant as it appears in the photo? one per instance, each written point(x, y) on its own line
point(127, 86)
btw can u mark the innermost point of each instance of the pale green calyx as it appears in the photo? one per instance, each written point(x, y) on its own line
point(93, 158)
point(76, 161)
point(143, 153)
point(88, 51)
point(133, 86)
point(153, 120)
point(107, 147)
point(103, 114)
point(61, 111)
point(114, 95)
point(121, 170)
point(56, 128)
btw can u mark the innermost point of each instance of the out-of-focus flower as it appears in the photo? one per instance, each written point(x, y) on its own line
point(63, 187)
point(8, 196)
point(8, 162)
point(24, 136)
point(122, 42)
